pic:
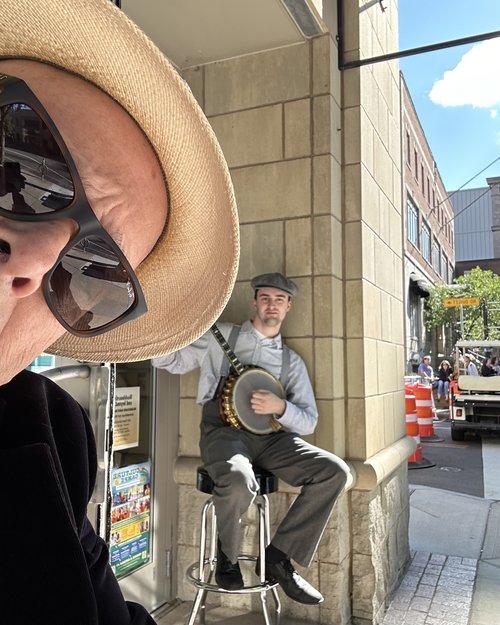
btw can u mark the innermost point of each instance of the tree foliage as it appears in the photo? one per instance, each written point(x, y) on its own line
point(477, 283)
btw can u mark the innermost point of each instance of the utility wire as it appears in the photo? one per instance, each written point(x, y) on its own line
point(478, 174)
point(460, 188)
point(496, 184)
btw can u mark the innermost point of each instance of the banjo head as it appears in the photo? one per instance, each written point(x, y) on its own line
point(244, 385)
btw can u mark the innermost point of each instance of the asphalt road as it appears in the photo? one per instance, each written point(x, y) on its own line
point(458, 466)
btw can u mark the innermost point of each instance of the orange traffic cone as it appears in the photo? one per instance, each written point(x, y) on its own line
point(416, 460)
point(425, 413)
point(412, 427)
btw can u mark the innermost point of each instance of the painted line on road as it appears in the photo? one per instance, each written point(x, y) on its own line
point(491, 468)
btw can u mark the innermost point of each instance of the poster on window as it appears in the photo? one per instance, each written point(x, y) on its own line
point(126, 421)
point(130, 543)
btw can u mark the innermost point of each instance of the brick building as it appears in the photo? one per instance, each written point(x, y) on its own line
point(429, 250)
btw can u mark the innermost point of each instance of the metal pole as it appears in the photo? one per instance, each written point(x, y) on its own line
point(400, 53)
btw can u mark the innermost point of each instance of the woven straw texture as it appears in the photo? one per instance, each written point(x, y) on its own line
point(189, 276)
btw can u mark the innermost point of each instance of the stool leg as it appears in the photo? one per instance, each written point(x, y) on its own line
point(211, 558)
point(264, 536)
point(199, 601)
point(265, 501)
point(277, 604)
point(200, 596)
point(267, 540)
point(213, 537)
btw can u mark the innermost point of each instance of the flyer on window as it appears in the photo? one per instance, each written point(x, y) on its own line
point(130, 544)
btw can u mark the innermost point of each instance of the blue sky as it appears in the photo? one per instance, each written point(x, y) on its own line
point(456, 91)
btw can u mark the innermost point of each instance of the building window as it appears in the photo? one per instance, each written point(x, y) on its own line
point(416, 164)
point(428, 190)
point(422, 179)
point(450, 274)
point(436, 256)
point(426, 242)
point(414, 326)
point(412, 217)
point(444, 267)
point(408, 155)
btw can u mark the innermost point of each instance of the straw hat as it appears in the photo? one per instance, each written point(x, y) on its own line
point(188, 277)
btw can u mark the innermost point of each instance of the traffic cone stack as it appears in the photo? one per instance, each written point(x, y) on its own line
point(412, 427)
point(425, 413)
point(416, 460)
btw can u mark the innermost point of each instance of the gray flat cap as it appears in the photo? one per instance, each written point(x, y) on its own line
point(275, 280)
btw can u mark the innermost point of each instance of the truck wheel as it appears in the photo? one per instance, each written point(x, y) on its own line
point(457, 434)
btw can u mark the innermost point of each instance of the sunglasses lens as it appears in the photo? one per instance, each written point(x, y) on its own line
point(34, 176)
point(90, 287)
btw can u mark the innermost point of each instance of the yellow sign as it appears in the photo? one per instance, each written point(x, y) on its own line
point(461, 301)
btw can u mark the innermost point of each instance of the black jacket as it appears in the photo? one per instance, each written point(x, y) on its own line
point(53, 568)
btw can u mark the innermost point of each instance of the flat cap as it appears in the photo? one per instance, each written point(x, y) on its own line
point(276, 281)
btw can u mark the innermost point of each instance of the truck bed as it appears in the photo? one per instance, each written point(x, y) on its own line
point(476, 383)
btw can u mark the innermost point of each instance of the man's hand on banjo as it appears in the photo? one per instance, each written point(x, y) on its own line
point(265, 402)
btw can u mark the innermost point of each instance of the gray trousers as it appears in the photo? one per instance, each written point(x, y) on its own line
point(228, 455)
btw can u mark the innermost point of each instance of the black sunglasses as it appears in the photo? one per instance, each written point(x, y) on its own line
point(92, 287)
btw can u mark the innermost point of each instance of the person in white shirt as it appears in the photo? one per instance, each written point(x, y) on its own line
point(228, 452)
point(470, 365)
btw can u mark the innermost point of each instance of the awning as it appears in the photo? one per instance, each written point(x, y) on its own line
point(419, 285)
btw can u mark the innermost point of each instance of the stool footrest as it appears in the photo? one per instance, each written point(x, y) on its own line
point(193, 576)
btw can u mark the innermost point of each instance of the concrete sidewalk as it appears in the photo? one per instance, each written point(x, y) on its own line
point(454, 575)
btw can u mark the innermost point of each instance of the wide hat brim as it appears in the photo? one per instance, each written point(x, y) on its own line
point(188, 277)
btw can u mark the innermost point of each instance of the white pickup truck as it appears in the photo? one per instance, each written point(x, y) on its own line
point(476, 405)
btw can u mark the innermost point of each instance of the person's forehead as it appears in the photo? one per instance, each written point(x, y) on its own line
point(268, 291)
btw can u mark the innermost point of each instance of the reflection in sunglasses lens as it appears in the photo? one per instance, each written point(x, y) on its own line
point(34, 177)
point(90, 287)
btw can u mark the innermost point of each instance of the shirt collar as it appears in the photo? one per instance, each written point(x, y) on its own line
point(273, 341)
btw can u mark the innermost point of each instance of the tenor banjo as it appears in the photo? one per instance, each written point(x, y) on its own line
point(236, 409)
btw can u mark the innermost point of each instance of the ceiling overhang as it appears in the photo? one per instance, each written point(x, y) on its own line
point(196, 32)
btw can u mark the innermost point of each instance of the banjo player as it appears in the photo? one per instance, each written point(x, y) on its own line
point(228, 452)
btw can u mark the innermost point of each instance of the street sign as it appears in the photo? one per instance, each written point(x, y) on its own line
point(461, 301)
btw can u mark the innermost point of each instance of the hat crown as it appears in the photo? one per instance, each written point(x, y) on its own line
point(96, 41)
point(276, 281)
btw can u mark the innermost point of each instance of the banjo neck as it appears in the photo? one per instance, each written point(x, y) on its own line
point(233, 359)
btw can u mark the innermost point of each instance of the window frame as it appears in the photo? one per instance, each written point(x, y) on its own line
point(412, 230)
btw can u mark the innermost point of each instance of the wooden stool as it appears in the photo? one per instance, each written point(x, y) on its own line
point(200, 573)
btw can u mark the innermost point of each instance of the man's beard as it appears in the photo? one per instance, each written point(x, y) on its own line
point(272, 322)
